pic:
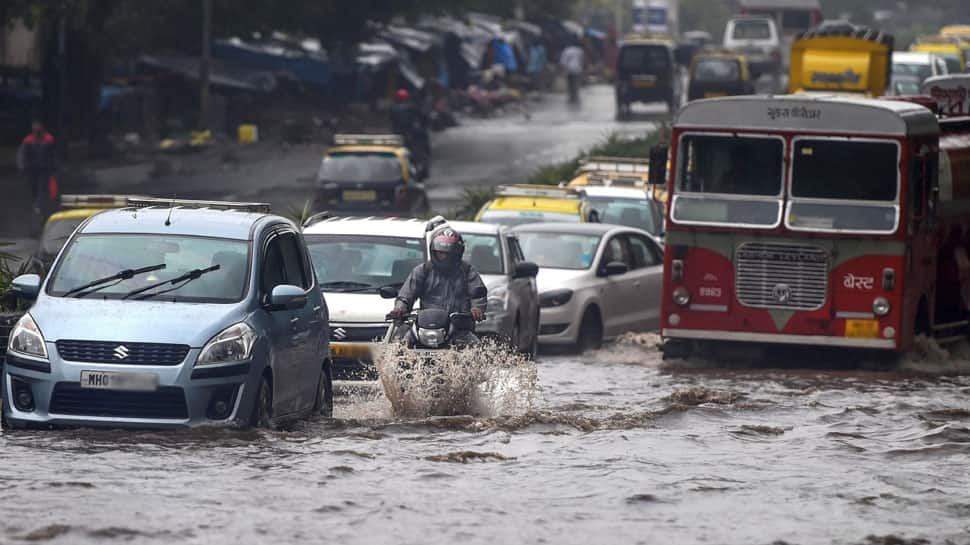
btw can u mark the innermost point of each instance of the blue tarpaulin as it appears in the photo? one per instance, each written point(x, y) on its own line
point(307, 67)
point(505, 55)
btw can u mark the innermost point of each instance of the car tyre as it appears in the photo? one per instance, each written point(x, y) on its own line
point(590, 332)
point(262, 415)
point(323, 405)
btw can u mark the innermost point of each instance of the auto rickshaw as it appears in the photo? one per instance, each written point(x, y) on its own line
point(717, 74)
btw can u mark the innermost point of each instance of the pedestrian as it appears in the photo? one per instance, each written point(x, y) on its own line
point(572, 62)
point(37, 156)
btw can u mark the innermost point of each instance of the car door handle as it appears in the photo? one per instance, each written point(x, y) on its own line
point(636, 284)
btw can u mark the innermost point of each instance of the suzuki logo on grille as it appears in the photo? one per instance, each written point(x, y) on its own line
point(121, 351)
point(781, 293)
point(340, 333)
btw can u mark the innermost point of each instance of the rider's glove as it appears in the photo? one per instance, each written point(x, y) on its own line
point(477, 314)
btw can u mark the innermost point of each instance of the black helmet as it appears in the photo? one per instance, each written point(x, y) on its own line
point(450, 242)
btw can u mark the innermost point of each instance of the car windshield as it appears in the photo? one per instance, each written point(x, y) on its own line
point(559, 250)
point(521, 217)
point(844, 185)
point(651, 59)
point(752, 30)
point(484, 252)
point(629, 212)
point(952, 61)
point(724, 179)
point(94, 256)
point(903, 87)
point(716, 70)
point(361, 263)
point(360, 167)
point(56, 234)
point(919, 70)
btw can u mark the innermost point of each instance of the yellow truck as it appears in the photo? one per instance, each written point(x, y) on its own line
point(841, 59)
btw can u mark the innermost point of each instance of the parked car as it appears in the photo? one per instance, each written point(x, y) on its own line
point(719, 74)
point(596, 281)
point(61, 224)
point(646, 72)
point(145, 322)
point(520, 204)
point(371, 173)
point(513, 300)
point(354, 257)
point(626, 205)
point(756, 37)
point(921, 65)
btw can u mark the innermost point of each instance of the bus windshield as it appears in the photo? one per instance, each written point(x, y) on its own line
point(729, 179)
point(844, 185)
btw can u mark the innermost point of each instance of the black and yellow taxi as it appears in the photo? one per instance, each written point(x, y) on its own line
point(645, 72)
point(74, 210)
point(617, 171)
point(719, 74)
point(524, 203)
point(370, 173)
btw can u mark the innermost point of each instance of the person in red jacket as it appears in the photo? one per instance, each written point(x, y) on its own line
point(37, 156)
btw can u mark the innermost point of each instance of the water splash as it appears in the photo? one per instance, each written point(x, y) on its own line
point(486, 380)
point(928, 356)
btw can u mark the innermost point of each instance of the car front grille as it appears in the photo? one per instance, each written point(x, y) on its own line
point(356, 334)
point(166, 403)
point(122, 353)
point(782, 276)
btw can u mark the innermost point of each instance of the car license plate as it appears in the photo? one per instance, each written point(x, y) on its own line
point(350, 351)
point(131, 382)
point(356, 195)
point(714, 95)
point(862, 329)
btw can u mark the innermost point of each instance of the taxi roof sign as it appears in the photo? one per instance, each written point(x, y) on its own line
point(951, 93)
point(94, 201)
point(633, 165)
point(394, 140)
point(534, 190)
point(149, 202)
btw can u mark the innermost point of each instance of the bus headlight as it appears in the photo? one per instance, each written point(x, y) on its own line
point(681, 297)
point(881, 306)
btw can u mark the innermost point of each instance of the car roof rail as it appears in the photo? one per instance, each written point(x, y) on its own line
point(434, 223)
point(535, 190)
point(94, 201)
point(612, 180)
point(151, 202)
point(616, 164)
point(395, 140)
point(317, 218)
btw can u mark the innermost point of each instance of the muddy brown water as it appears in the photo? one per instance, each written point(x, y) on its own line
point(618, 448)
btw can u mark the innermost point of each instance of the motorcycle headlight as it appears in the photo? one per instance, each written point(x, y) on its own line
point(498, 300)
point(431, 338)
point(235, 343)
point(27, 339)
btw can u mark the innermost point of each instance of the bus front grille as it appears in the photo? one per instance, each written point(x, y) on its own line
point(781, 276)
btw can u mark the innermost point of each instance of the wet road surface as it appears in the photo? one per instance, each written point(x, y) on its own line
point(618, 448)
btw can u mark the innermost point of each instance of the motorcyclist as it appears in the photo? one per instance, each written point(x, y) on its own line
point(408, 120)
point(445, 283)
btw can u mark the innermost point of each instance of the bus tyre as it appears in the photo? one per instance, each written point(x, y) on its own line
point(323, 405)
point(262, 414)
point(590, 332)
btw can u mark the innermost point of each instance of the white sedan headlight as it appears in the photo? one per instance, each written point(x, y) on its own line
point(27, 339)
point(498, 300)
point(235, 343)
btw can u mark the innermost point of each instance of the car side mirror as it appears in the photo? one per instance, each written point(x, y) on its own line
point(615, 268)
point(658, 165)
point(286, 297)
point(26, 287)
point(479, 293)
point(388, 292)
point(526, 269)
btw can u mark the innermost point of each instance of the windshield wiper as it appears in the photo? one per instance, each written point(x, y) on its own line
point(117, 278)
point(346, 285)
point(178, 282)
point(362, 286)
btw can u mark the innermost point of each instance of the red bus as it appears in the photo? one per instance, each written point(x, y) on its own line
point(820, 221)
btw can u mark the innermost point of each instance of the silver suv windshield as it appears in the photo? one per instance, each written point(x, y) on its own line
point(729, 180)
point(841, 185)
point(95, 256)
point(347, 263)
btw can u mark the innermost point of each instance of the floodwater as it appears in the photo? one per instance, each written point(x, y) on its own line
point(616, 448)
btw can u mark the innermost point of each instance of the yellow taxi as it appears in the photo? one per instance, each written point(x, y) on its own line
point(617, 171)
point(60, 225)
point(370, 173)
point(953, 51)
point(520, 204)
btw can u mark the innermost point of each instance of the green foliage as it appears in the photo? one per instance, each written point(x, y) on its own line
point(8, 271)
point(472, 200)
point(613, 145)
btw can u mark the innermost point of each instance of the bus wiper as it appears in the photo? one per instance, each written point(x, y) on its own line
point(346, 286)
point(177, 282)
point(118, 277)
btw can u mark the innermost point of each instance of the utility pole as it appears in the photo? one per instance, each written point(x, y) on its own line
point(204, 64)
point(618, 4)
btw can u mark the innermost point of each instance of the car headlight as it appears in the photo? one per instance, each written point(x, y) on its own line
point(235, 343)
point(881, 306)
point(498, 300)
point(27, 339)
point(555, 298)
point(431, 338)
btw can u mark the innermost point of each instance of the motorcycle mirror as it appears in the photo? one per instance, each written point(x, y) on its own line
point(387, 292)
point(462, 322)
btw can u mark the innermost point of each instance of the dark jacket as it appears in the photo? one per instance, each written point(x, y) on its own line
point(38, 154)
point(436, 289)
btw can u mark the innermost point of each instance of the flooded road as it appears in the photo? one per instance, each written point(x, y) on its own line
point(618, 448)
